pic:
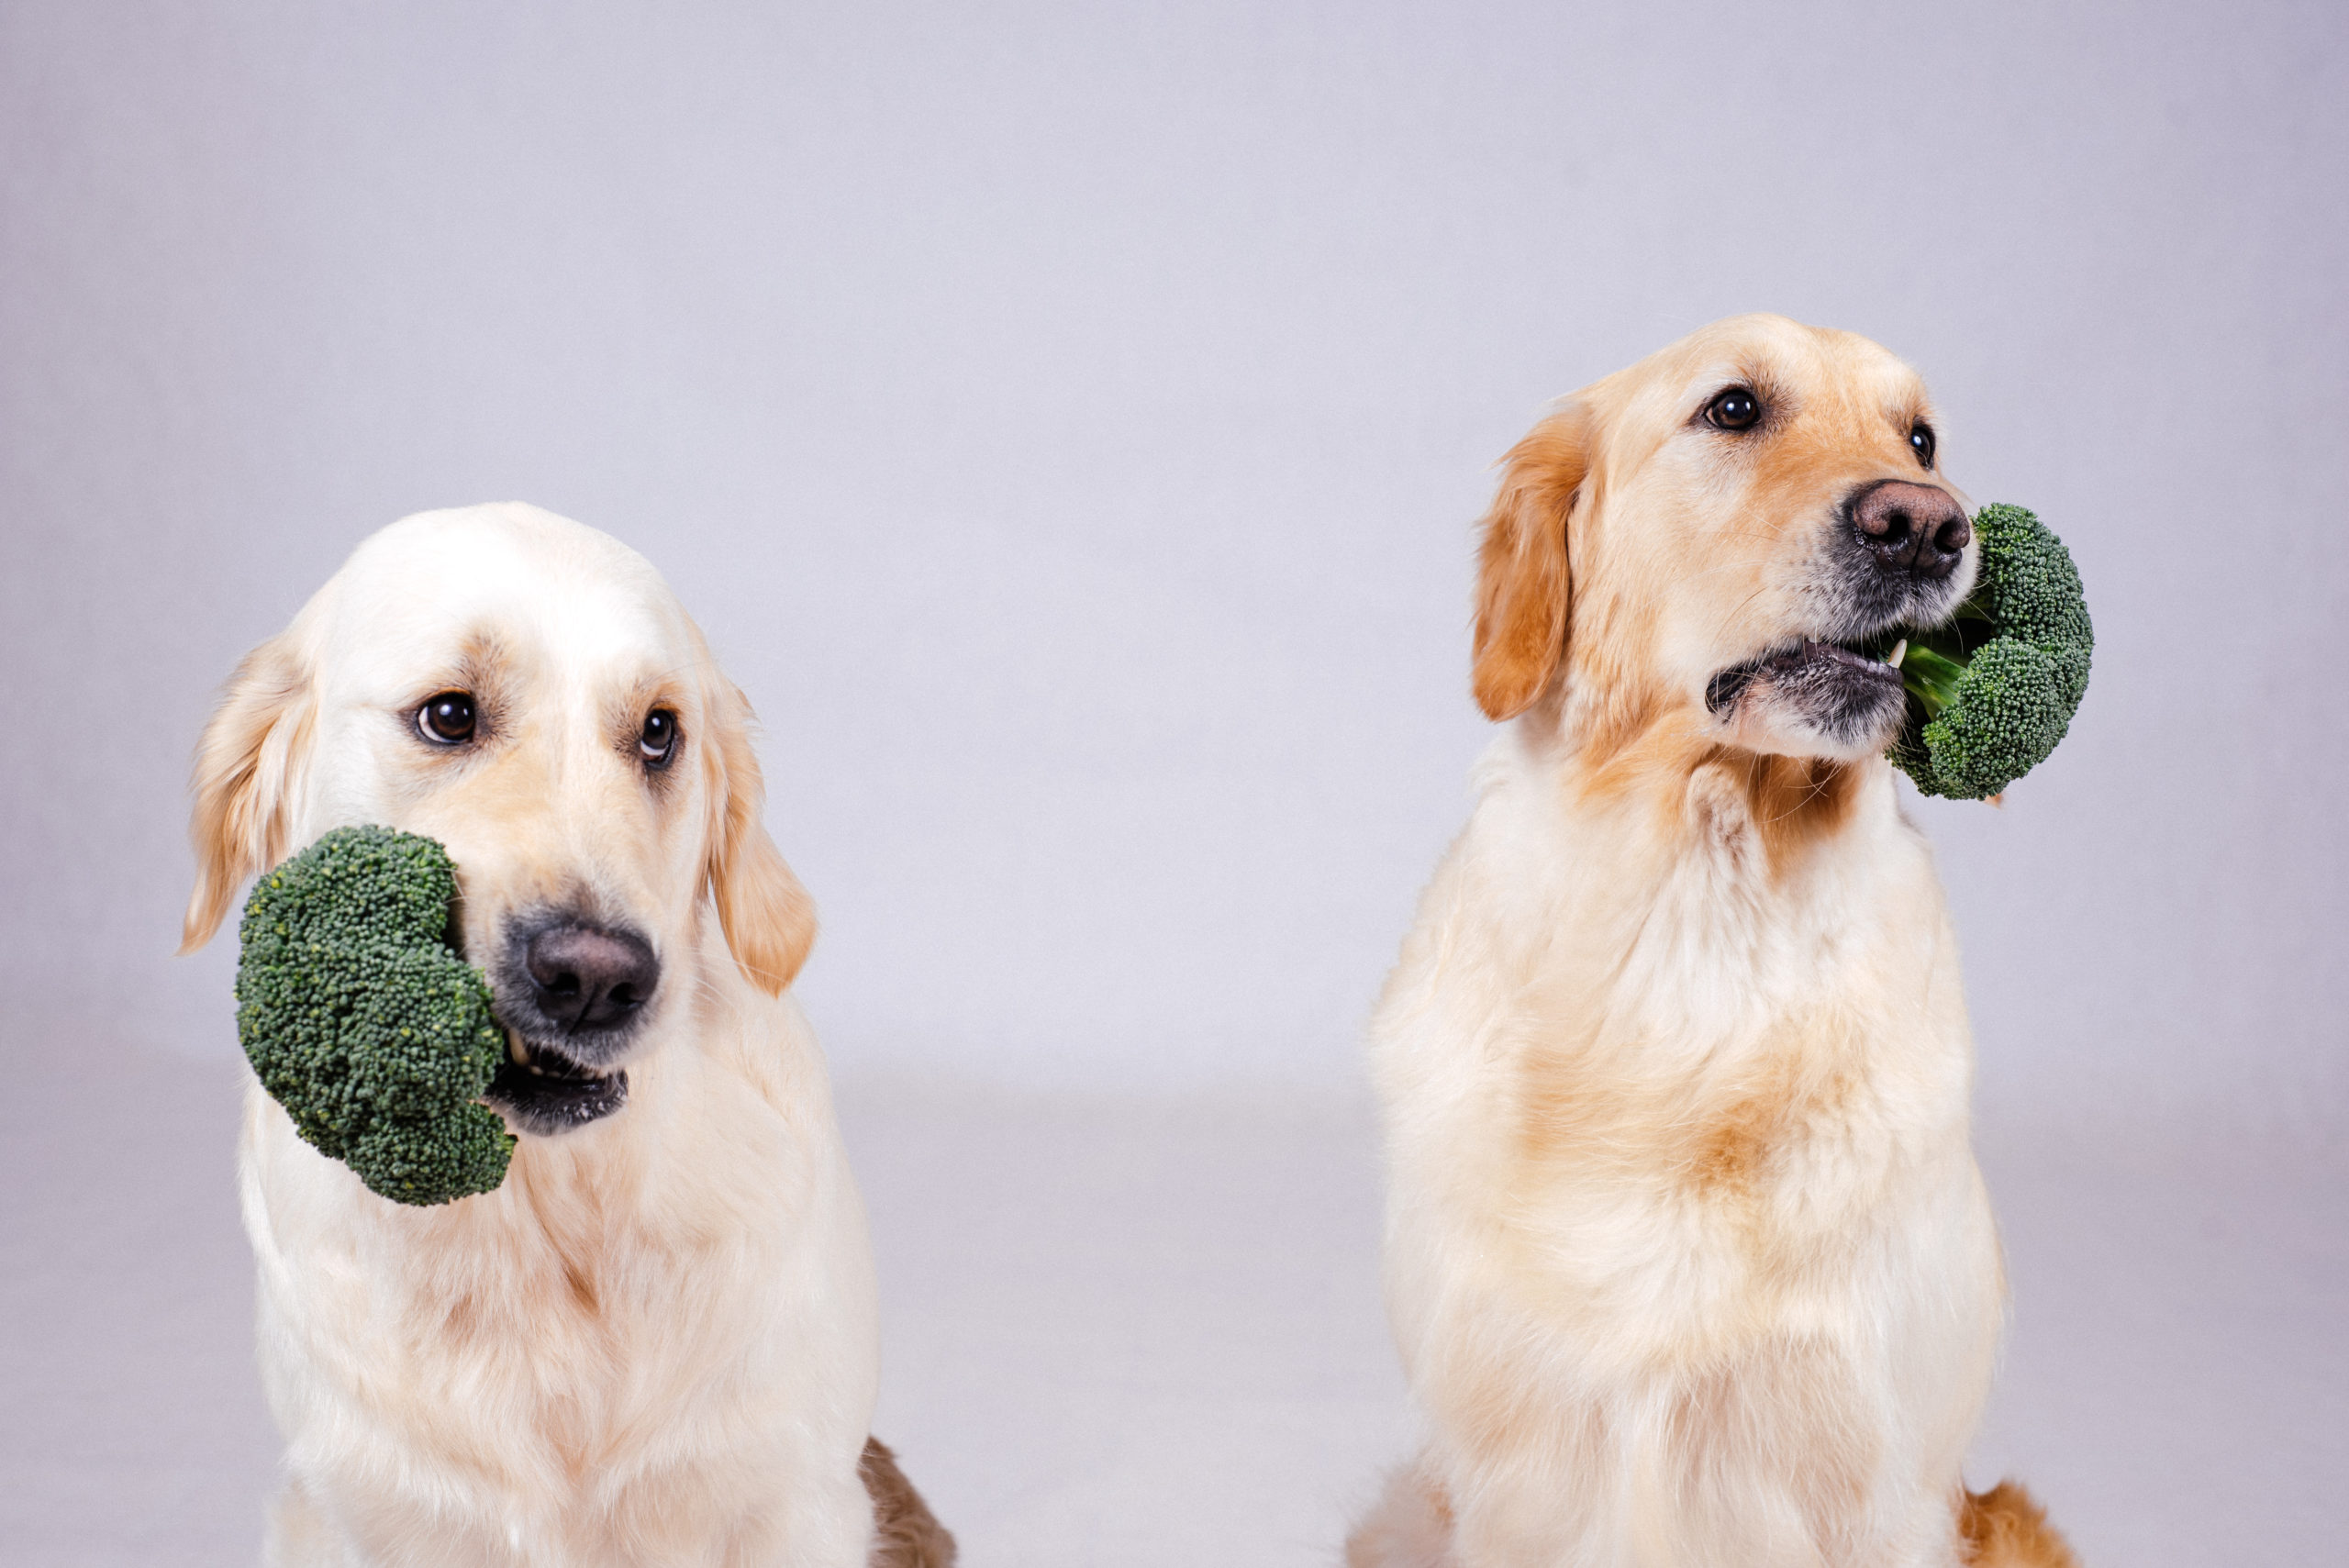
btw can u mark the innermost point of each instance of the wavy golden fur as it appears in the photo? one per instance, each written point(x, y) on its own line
point(1686, 1254)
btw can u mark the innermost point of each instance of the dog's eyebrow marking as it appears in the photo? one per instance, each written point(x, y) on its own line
point(657, 688)
point(482, 665)
point(1910, 408)
point(1774, 392)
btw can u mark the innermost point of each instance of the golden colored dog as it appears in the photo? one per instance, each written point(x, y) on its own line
point(655, 1343)
point(1686, 1253)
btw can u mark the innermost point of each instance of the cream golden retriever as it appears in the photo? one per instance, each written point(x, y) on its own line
point(655, 1343)
point(1686, 1253)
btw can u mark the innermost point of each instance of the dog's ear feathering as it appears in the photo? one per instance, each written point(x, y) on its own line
point(770, 921)
point(1522, 580)
point(246, 768)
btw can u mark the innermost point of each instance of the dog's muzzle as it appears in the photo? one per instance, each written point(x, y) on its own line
point(571, 992)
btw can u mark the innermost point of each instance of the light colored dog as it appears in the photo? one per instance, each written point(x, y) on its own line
point(655, 1343)
point(1686, 1254)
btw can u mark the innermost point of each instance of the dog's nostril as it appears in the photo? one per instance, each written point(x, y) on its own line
point(585, 978)
point(1954, 535)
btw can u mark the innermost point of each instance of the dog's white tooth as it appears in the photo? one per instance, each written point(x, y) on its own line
point(1899, 651)
point(516, 1050)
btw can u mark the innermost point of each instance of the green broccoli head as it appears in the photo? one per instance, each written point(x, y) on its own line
point(362, 1021)
point(1992, 692)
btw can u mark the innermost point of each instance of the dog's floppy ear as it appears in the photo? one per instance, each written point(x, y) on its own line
point(247, 766)
point(770, 921)
point(1521, 567)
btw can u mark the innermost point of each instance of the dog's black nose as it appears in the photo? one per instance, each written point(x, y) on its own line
point(1917, 530)
point(588, 979)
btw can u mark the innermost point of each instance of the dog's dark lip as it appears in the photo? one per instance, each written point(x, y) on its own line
point(546, 1092)
point(1722, 691)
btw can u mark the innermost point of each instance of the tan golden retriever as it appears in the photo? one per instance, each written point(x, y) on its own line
point(655, 1343)
point(1686, 1253)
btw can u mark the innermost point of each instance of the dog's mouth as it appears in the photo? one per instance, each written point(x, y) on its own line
point(1826, 698)
point(544, 1092)
point(1808, 663)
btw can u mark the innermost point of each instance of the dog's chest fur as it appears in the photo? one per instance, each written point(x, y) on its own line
point(1677, 1108)
point(651, 1344)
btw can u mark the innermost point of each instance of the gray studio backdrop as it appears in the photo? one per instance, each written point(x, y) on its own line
point(1067, 425)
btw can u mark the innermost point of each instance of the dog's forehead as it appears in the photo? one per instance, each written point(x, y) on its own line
point(1799, 357)
point(438, 583)
point(1808, 371)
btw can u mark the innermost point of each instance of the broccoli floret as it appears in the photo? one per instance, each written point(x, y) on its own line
point(1991, 692)
point(365, 1023)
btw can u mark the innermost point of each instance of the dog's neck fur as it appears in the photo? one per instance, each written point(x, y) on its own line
point(1661, 921)
point(1645, 794)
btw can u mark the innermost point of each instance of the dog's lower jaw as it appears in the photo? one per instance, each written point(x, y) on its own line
point(543, 1093)
point(1809, 699)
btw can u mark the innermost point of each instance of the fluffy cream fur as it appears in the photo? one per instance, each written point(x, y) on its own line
point(655, 1343)
point(1687, 1256)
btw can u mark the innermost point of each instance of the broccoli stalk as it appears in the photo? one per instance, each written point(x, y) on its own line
point(1932, 677)
point(1992, 690)
point(362, 1021)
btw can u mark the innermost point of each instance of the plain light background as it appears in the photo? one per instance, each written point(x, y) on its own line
point(1067, 425)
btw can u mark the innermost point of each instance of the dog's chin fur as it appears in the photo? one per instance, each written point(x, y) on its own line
point(1686, 1253)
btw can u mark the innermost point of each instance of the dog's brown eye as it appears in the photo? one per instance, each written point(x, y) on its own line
point(1921, 442)
point(1736, 409)
point(658, 741)
point(447, 720)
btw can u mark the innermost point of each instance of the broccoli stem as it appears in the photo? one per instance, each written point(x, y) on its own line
point(1931, 676)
